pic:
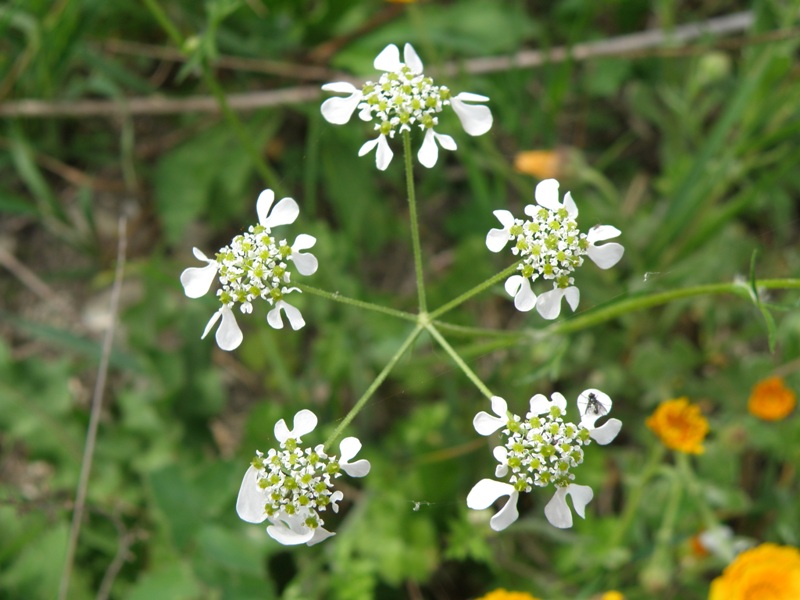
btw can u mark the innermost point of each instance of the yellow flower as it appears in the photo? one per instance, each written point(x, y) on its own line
point(501, 594)
point(542, 164)
point(768, 572)
point(612, 595)
point(680, 425)
point(771, 400)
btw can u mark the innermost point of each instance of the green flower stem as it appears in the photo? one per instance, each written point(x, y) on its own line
point(337, 297)
point(611, 311)
point(265, 171)
point(478, 331)
point(374, 386)
point(412, 212)
point(686, 471)
point(666, 532)
point(476, 290)
point(459, 361)
point(632, 505)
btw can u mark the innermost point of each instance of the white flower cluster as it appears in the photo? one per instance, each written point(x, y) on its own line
point(254, 265)
point(402, 97)
point(290, 487)
point(551, 247)
point(539, 451)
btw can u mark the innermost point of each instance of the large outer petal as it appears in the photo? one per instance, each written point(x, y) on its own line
point(606, 433)
point(383, 154)
point(348, 448)
point(546, 194)
point(339, 111)
point(305, 421)
point(497, 239)
point(263, 204)
point(588, 419)
point(520, 287)
point(486, 424)
point(607, 255)
point(295, 317)
point(283, 534)
point(485, 492)
point(197, 281)
point(388, 59)
point(306, 263)
point(412, 59)
point(283, 213)
point(250, 502)
point(476, 119)
point(569, 204)
point(428, 152)
point(228, 336)
point(549, 304)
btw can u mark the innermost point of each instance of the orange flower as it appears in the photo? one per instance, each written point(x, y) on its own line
point(542, 164)
point(768, 572)
point(680, 425)
point(501, 594)
point(771, 400)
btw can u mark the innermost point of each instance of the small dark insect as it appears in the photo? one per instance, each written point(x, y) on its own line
point(594, 406)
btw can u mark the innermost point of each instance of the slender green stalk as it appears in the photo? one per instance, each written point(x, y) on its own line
point(478, 331)
point(632, 505)
point(629, 305)
point(337, 297)
point(412, 213)
point(686, 471)
point(264, 170)
point(459, 361)
point(373, 386)
point(476, 290)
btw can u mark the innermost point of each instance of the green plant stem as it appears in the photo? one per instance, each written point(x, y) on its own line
point(632, 505)
point(611, 311)
point(264, 170)
point(686, 471)
point(459, 361)
point(476, 290)
point(337, 297)
point(666, 532)
point(468, 331)
point(414, 221)
point(373, 386)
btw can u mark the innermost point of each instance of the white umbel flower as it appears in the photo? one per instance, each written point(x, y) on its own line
point(539, 451)
point(291, 486)
point(402, 98)
point(255, 265)
point(550, 246)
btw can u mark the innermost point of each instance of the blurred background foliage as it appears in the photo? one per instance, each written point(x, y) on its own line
point(690, 149)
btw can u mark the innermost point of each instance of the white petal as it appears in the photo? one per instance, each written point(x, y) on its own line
point(486, 424)
point(569, 204)
point(281, 431)
point(581, 496)
point(505, 217)
point(445, 141)
point(339, 110)
point(539, 404)
point(470, 97)
point(413, 61)
point(359, 468)
point(497, 239)
point(211, 322)
point(250, 502)
point(429, 152)
point(303, 242)
point(306, 263)
point(274, 317)
point(507, 515)
point(513, 284)
point(199, 255)
point(559, 401)
point(284, 213)
point(486, 491)
point(281, 533)
point(365, 114)
point(335, 498)
point(607, 255)
point(384, 154)
point(348, 448)
point(525, 299)
point(388, 59)
point(320, 534)
point(228, 336)
point(602, 232)
point(546, 194)
point(340, 87)
point(367, 147)
point(476, 119)
point(499, 407)
point(573, 296)
point(305, 422)
point(606, 433)
point(197, 281)
point(557, 511)
point(549, 303)
point(263, 204)
point(295, 318)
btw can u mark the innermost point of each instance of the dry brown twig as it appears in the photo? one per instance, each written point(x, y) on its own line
point(624, 45)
